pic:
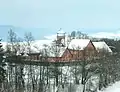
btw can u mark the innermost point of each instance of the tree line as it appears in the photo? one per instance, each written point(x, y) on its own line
point(85, 76)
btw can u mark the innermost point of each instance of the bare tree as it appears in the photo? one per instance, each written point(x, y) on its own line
point(29, 39)
point(15, 71)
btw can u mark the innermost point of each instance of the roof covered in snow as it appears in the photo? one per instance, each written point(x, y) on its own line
point(78, 44)
point(38, 45)
point(57, 53)
point(4, 45)
point(101, 45)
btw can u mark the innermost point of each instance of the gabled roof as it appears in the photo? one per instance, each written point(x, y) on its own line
point(78, 44)
point(101, 45)
point(38, 45)
point(4, 44)
point(51, 51)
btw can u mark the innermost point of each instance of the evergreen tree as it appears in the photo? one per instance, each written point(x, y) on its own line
point(2, 64)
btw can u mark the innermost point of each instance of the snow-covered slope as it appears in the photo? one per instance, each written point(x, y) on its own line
point(114, 88)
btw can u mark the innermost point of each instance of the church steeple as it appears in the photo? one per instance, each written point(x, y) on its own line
point(60, 38)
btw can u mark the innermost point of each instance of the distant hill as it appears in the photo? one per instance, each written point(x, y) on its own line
point(41, 33)
point(4, 31)
point(38, 33)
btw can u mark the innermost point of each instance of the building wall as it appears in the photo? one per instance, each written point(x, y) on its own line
point(33, 57)
point(66, 56)
point(76, 54)
point(72, 55)
point(90, 51)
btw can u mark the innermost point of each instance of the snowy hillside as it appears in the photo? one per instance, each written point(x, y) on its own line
point(114, 88)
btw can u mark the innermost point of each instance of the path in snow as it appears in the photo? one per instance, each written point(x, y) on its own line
point(114, 88)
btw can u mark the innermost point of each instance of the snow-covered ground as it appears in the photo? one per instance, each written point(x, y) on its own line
point(113, 88)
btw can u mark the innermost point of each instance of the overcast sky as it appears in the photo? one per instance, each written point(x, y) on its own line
point(66, 14)
point(61, 13)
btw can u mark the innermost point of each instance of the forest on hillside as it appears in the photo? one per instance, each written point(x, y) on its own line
point(85, 76)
